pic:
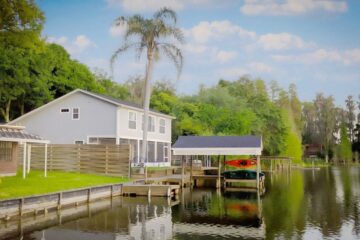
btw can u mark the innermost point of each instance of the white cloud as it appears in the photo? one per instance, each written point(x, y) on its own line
point(232, 72)
point(204, 31)
point(281, 41)
point(260, 67)
point(353, 55)
point(291, 7)
point(82, 42)
point(225, 56)
point(153, 5)
point(347, 57)
point(195, 48)
point(78, 45)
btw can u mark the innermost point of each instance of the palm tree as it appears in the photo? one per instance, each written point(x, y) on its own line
point(157, 36)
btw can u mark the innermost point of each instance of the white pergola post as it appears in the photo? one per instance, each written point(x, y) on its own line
point(258, 172)
point(24, 160)
point(28, 158)
point(45, 158)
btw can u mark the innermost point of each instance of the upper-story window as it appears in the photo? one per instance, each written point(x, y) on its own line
point(151, 123)
point(162, 125)
point(132, 120)
point(76, 113)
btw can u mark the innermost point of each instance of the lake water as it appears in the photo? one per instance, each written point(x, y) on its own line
point(306, 204)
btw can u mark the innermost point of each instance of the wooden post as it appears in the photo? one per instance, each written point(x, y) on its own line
point(45, 166)
point(224, 165)
point(59, 201)
point(218, 182)
point(130, 160)
point(21, 205)
point(28, 158)
point(257, 171)
point(182, 171)
point(191, 171)
point(106, 159)
point(24, 160)
point(271, 165)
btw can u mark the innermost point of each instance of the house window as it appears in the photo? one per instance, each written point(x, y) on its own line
point(79, 142)
point(6, 152)
point(162, 125)
point(102, 140)
point(76, 113)
point(151, 123)
point(132, 120)
point(64, 110)
point(93, 140)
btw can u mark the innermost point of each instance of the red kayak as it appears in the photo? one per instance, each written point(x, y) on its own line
point(243, 163)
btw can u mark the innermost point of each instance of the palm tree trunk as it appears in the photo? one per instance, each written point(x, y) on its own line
point(146, 105)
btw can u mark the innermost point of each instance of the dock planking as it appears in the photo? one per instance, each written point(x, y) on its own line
point(150, 190)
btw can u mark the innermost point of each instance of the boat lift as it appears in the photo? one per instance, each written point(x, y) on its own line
point(218, 146)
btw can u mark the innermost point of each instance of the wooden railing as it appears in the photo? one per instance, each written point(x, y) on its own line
point(83, 158)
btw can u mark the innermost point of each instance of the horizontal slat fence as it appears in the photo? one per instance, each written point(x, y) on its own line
point(83, 158)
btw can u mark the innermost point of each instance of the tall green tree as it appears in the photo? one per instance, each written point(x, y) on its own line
point(310, 133)
point(351, 116)
point(111, 88)
point(325, 122)
point(153, 36)
point(21, 22)
point(344, 148)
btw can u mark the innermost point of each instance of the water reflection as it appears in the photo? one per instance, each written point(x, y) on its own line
point(212, 215)
point(120, 218)
point(303, 204)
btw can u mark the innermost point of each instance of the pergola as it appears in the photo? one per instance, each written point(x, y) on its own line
point(219, 145)
point(18, 135)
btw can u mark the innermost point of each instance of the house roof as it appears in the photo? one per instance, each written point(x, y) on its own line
point(218, 145)
point(121, 103)
point(102, 97)
point(10, 133)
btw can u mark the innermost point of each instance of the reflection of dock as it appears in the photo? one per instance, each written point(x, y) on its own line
point(231, 214)
point(220, 231)
point(95, 217)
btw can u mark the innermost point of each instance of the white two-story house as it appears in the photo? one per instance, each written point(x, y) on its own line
point(82, 117)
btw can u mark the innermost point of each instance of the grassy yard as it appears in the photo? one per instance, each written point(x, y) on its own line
point(36, 183)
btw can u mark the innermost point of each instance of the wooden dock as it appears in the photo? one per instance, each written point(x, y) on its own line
point(150, 190)
point(225, 183)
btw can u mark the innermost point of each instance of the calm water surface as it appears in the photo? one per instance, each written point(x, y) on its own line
point(305, 204)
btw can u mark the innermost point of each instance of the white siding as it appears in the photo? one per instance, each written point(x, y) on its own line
point(97, 118)
point(125, 132)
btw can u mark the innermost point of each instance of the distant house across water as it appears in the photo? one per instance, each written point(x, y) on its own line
point(82, 117)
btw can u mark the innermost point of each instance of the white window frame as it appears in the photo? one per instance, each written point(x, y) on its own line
point(129, 113)
point(142, 123)
point(152, 127)
point(166, 150)
point(72, 113)
point(160, 126)
point(65, 108)
point(98, 136)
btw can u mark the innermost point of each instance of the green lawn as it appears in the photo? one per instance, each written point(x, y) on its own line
point(36, 183)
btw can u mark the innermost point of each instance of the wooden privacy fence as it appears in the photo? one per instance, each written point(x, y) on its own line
point(111, 160)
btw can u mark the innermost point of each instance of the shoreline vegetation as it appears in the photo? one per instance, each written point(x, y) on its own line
point(35, 183)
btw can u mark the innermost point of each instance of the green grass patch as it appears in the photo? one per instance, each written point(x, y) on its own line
point(35, 183)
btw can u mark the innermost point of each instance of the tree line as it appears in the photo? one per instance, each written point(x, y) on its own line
point(34, 72)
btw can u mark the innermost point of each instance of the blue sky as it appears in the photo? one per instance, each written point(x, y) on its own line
point(312, 43)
